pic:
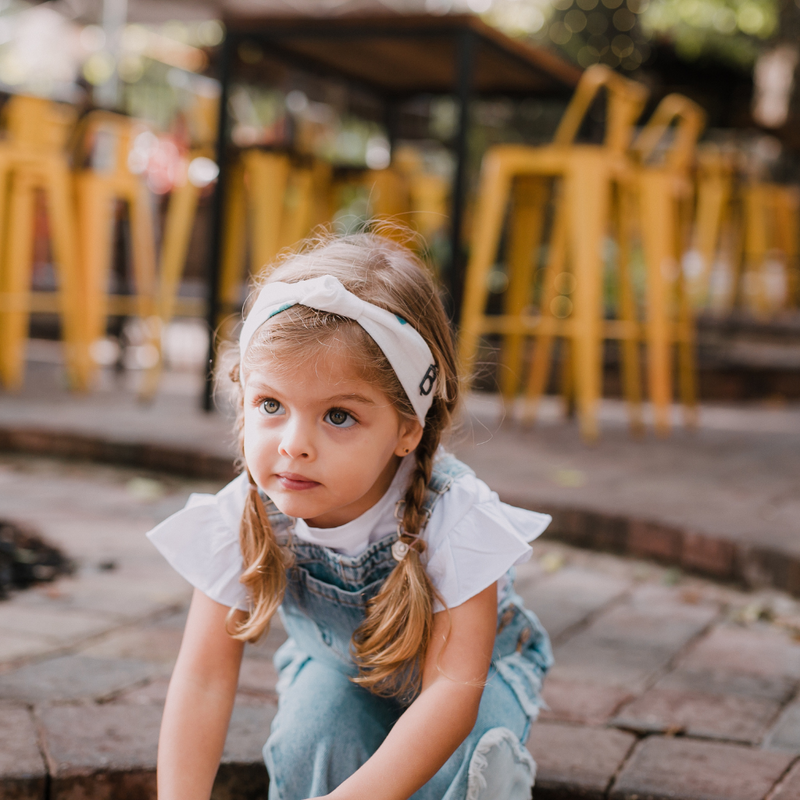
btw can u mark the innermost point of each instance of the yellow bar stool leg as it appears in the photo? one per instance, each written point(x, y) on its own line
point(323, 194)
point(147, 283)
point(680, 299)
point(735, 292)
point(267, 177)
point(297, 213)
point(755, 249)
point(96, 209)
point(18, 267)
point(588, 216)
point(389, 196)
point(181, 213)
point(492, 199)
point(713, 196)
point(687, 366)
point(428, 195)
point(143, 251)
point(629, 344)
point(788, 224)
point(527, 221)
point(567, 377)
point(792, 230)
point(7, 300)
point(658, 236)
point(770, 211)
point(59, 191)
point(543, 340)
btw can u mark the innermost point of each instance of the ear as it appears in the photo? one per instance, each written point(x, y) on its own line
point(410, 436)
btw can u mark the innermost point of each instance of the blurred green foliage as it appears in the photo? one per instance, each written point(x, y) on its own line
point(731, 31)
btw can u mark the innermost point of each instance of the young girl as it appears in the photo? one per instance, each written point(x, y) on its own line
point(412, 668)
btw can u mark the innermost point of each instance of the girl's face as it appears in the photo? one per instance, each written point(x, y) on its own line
point(320, 441)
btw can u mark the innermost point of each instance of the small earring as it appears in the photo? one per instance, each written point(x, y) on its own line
point(407, 451)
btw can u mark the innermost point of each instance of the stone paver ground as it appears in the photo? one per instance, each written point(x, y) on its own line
point(665, 685)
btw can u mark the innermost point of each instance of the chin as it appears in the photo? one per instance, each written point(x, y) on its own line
point(293, 507)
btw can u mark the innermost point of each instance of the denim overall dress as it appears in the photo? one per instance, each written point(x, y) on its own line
point(327, 727)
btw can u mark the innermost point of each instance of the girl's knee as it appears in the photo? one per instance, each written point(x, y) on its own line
point(500, 767)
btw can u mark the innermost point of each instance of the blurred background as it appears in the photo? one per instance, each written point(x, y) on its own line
point(608, 194)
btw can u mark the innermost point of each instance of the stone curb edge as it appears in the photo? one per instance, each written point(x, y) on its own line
point(698, 552)
point(749, 565)
point(159, 458)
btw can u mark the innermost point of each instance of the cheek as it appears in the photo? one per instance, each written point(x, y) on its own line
point(256, 443)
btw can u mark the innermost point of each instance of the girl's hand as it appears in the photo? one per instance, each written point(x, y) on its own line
point(199, 703)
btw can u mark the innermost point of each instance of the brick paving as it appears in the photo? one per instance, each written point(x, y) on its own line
point(666, 685)
point(664, 767)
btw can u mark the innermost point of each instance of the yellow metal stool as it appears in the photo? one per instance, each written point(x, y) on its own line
point(33, 159)
point(583, 212)
point(99, 188)
point(665, 194)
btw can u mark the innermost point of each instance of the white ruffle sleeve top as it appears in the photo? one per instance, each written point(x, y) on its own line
point(472, 538)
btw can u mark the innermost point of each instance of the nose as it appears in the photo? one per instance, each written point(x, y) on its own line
point(296, 440)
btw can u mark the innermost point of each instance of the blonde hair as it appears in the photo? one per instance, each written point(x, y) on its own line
point(390, 644)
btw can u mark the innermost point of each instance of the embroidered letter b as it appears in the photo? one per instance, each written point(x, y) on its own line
point(426, 387)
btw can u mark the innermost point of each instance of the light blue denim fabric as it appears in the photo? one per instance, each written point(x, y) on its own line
point(327, 727)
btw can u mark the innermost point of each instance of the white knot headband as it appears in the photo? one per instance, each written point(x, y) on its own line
point(405, 349)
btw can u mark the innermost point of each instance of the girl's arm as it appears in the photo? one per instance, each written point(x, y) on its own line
point(444, 713)
point(199, 704)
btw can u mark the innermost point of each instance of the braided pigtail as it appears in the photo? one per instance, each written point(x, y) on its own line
point(391, 643)
point(265, 563)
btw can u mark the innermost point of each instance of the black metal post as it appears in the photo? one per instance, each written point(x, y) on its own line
point(465, 53)
point(217, 220)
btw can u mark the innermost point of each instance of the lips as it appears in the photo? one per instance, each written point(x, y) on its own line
point(294, 482)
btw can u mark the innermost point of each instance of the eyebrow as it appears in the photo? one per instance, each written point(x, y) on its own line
point(352, 397)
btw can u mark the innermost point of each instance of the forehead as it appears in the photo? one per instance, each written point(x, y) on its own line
point(331, 367)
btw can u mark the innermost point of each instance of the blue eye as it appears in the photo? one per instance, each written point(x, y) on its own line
point(340, 418)
point(271, 407)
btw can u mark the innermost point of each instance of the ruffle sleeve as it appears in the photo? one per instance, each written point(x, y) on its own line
point(201, 543)
point(474, 539)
